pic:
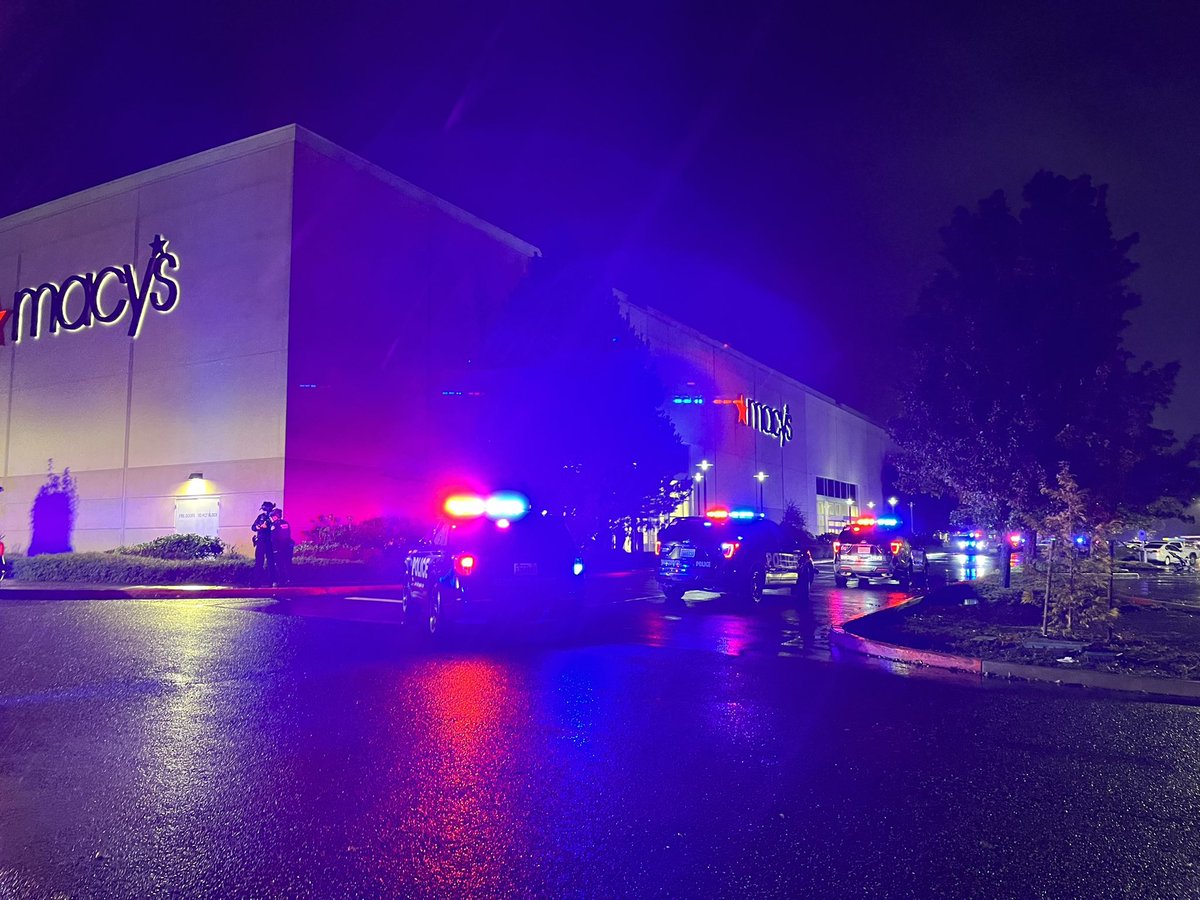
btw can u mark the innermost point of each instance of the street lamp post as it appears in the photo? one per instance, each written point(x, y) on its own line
point(696, 479)
point(760, 477)
point(704, 465)
point(912, 524)
point(892, 501)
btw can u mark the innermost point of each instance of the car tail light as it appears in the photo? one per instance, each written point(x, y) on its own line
point(728, 549)
point(896, 545)
point(464, 564)
point(657, 548)
point(837, 546)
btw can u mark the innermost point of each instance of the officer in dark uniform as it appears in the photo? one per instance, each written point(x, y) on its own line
point(264, 548)
point(283, 544)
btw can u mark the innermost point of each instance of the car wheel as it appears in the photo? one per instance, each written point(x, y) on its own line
point(864, 582)
point(434, 622)
point(408, 607)
point(840, 581)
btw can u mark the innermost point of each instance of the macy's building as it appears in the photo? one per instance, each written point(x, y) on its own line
point(279, 319)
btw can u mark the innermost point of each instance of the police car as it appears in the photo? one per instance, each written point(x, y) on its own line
point(970, 543)
point(732, 552)
point(492, 560)
point(874, 548)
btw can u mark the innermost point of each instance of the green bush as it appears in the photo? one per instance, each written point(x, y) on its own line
point(332, 537)
point(122, 569)
point(177, 546)
point(119, 568)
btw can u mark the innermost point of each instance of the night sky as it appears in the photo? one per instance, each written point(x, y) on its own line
point(774, 174)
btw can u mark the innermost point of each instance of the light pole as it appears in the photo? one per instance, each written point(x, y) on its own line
point(912, 524)
point(696, 479)
point(760, 477)
point(892, 501)
point(704, 465)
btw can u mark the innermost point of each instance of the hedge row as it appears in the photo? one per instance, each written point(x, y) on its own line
point(114, 568)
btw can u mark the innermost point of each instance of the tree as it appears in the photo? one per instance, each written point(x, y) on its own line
point(1078, 569)
point(572, 409)
point(1018, 367)
point(52, 516)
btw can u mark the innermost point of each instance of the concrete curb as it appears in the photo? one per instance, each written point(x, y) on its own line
point(848, 641)
point(51, 592)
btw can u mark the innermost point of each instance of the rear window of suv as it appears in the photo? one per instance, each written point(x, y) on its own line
point(699, 530)
point(533, 537)
point(867, 535)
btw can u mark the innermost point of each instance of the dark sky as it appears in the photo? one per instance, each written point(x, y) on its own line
point(772, 173)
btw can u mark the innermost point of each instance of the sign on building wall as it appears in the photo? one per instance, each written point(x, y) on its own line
point(106, 297)
point(764, 419)
point(197, 515)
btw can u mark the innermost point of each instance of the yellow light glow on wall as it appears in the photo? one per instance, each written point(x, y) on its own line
point(196, 485)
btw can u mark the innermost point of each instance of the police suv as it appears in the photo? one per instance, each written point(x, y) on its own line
point(875, 548)
point(738, 552)
point(492, 560)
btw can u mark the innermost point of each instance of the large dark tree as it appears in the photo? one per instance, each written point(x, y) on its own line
point(571, 406)
point(1019, 366)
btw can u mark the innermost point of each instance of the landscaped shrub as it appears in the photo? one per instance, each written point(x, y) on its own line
point(234, 571)
point(332, 537)
point(177, 546)
point(118, 568)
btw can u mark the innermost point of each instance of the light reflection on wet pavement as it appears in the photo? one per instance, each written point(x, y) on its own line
point(227, 748)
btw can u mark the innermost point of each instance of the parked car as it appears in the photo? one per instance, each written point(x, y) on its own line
point(1165, 552)
point(738, 553)
point(867, 550)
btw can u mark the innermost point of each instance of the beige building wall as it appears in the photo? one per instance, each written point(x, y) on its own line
point(201, 389)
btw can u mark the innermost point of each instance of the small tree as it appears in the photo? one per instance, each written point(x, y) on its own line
point(1079, 568)
point(52, 516)
point(793, 517)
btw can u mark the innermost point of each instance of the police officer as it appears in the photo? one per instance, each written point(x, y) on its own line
point(264, 549)
point(283, 545)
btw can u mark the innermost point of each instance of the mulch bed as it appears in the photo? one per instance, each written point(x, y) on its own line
point(1146, 640)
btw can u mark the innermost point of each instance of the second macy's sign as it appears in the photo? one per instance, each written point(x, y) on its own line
point(96, 298)
point(768, 420)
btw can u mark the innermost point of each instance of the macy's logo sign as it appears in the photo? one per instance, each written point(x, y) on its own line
point(768, 420)
point(95, 298)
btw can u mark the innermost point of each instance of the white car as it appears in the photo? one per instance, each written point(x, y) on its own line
point(1167, 553)
point(1190, 548)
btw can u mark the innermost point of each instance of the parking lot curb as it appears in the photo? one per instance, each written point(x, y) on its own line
point(845, 639)
point(67, 591)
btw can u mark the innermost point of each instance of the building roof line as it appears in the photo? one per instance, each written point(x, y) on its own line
point(336, 151)
point(749, 360)
point(287, 134)
point(203, 159)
